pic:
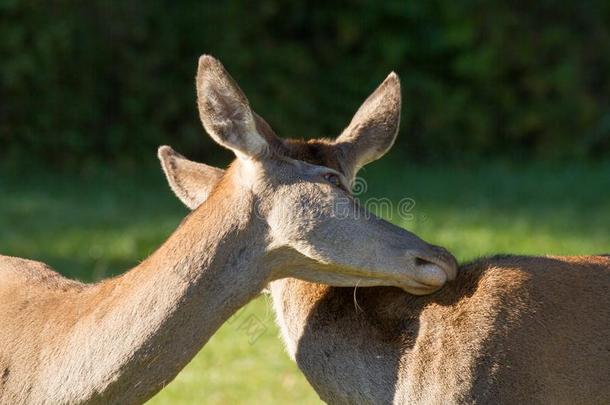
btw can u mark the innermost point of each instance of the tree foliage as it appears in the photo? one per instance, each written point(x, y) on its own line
point(100, 80)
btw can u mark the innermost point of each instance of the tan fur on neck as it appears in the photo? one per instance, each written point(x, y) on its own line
point(508, 330)
point(123, 339)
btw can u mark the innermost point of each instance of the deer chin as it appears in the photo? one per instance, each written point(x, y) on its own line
point(428, 279)
point(431, 275)
point(435, 278)
point(408, 285)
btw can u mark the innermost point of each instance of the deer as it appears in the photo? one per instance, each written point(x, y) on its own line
point(508, 329)
point(269, 215)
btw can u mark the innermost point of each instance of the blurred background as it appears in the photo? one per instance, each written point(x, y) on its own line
point(504, 142)
point(110, 80)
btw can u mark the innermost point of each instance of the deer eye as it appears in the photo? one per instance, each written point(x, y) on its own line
point(333, 179)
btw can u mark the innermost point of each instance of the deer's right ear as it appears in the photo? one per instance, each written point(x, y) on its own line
point(192, 182)
point(225, 111)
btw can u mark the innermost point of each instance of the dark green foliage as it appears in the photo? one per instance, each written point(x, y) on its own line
point(100, 80)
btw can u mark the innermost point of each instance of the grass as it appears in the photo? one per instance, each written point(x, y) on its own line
point(100, 223)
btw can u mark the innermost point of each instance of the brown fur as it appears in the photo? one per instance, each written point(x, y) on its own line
point(267, 217)
point(510, 329)
point(123, 339)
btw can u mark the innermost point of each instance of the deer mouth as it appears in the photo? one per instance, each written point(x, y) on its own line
point(442, 258)
point(433, 272)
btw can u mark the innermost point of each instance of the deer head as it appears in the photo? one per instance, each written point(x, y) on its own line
point(313, 228)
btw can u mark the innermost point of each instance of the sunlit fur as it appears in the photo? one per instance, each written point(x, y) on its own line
point(269, 216)
point(509, 329)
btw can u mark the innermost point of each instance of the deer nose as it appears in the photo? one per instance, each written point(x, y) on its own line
point(437, 258)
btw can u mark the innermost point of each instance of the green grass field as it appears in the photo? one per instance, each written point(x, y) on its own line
point(101, 223)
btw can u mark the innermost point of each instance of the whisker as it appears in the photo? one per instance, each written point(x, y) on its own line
point(358, 307)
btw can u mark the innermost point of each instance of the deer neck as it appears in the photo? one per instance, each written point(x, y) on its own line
point(142, 328)
point(293, 301)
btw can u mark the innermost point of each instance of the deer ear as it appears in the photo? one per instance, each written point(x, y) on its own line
point(374, 127)
point(192, 182)
point(225, 111)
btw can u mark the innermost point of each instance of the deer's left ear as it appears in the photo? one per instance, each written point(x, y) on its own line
point(372, 131)
point(192, 182)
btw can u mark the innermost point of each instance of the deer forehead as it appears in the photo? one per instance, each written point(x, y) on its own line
point(251, 172)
